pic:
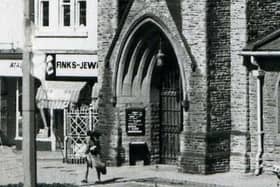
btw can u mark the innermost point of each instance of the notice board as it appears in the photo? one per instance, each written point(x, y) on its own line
point(135, 121)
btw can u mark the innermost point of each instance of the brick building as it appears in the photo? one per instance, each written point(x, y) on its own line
point(174, 81)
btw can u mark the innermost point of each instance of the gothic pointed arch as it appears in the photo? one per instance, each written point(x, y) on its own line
point(130, 35)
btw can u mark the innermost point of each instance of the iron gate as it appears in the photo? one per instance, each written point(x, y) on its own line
point(77, 122)
point(171, 115)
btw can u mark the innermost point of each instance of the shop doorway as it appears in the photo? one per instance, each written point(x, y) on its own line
point(58, 127)
point(170, 113)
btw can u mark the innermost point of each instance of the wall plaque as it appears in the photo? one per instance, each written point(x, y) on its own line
point(135, 121)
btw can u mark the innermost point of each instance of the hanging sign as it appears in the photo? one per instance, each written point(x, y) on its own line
point(135, 121)
point(10, 68)
point(72, 66)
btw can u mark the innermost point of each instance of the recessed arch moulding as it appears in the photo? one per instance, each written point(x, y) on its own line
point(146, 31)
point(135, 72)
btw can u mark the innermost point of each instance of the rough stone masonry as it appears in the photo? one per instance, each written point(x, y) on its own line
point(219, 132)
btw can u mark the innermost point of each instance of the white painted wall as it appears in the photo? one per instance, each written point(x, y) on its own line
point(11, 21)
point(58, 38)
point(12, 30)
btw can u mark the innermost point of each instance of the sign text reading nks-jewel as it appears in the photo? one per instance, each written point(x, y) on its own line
point(76, 65)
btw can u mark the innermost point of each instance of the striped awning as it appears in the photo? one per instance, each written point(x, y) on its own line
point(58, 94)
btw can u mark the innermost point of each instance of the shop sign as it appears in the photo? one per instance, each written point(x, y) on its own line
point(135, 121)
point(10, 68)
point(73, 66)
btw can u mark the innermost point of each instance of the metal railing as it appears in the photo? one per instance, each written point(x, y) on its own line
point(76, 124)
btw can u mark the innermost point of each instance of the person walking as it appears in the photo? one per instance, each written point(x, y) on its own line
point(93, 155)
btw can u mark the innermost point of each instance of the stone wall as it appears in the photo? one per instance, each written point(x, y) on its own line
point(106, 13)
point(240, 144)
point(270, 127)
point(270, 116)
point(205, 33)
point(219, 85)
point(194, 136)
point(139, 9)
point(263, 17)
point(220, 127)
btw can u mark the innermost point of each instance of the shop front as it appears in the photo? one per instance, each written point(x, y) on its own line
point(64, 82)
point(10, 76)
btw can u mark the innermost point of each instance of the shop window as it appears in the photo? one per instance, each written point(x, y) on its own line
point(19, 108)
point(38, 120)
point(45, 8)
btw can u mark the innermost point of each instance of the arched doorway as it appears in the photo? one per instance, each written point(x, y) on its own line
point(170, 112)
point(166, 78)
point(142, 81)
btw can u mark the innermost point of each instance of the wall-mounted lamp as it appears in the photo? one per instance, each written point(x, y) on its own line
point(160, 55)
point(113, 100)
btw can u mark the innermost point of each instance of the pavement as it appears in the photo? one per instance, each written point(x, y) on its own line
point(51, 169)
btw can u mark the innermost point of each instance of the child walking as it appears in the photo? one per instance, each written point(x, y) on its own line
point(93, 159)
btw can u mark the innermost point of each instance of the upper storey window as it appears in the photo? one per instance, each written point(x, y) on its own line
point(61, 15)
point(66, 13)
point(82, 12)
point(73, 13)
point(44, 11)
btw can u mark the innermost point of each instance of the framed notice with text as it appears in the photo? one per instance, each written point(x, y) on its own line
point(135, 121)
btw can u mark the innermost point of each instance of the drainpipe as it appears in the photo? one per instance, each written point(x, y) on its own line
point(259, 162)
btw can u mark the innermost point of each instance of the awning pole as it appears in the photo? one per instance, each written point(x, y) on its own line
point(65, 134)
point(17, 110)
point(53, 139)
point(43, 118)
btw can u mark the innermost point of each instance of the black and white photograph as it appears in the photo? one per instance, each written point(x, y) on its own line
point(139, 93)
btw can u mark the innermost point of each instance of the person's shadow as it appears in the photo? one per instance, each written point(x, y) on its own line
point(103, 181)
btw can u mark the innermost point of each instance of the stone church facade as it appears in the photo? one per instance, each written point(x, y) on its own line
point(180, 65)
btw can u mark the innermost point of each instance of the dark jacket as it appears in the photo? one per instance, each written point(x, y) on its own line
point(93, 145)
